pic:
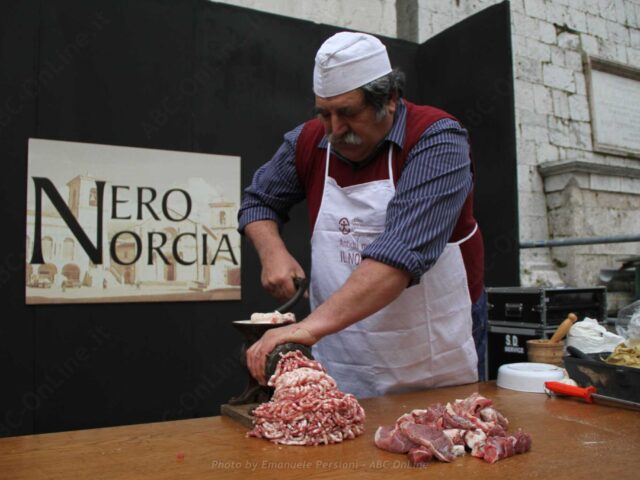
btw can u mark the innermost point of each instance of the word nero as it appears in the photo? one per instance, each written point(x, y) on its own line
point(94, 251)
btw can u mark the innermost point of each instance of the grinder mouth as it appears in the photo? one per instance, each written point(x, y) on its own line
point(274, 356)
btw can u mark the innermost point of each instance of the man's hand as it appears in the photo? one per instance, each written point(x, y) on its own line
point(257, 353)
point(278, 272)
point(279, 268)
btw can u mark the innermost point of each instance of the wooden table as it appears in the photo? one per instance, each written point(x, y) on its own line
point(571, 440)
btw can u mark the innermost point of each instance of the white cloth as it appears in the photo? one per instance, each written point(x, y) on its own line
point(422, 339)
point(347, 61)
point(591, 337)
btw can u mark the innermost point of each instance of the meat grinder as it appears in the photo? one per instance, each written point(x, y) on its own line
point(240, 407)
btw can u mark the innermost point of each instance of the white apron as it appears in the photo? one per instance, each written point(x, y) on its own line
point(423, 338)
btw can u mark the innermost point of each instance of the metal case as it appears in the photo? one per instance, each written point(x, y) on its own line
point(509, 345)
point(539, 307)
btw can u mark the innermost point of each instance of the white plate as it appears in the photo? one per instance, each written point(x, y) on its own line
point(528, 377)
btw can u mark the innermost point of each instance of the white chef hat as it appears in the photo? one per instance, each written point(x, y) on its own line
point(348, 60)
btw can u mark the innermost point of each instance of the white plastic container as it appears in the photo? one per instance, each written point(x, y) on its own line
point(528, 376)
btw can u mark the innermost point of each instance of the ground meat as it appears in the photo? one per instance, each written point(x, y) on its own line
point(306, 408)
point(444, 432)
point(273, 317)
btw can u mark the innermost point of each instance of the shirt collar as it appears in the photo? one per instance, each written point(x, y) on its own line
point(395, 135)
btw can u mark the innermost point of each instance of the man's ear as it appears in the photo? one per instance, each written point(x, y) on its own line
point(393, 103)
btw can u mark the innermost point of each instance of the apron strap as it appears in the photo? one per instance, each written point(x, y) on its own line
point(390, 160)
point(461, 241)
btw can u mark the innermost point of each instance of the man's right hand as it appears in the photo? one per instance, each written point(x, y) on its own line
point(278, 272)
point(279, 268)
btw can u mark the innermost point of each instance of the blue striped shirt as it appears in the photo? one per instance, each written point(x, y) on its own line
point(421, 216)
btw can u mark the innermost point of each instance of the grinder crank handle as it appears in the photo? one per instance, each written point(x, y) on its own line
point(301, 284)
point(565, 389)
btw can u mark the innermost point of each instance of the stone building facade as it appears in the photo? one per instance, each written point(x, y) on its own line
point(567, 187)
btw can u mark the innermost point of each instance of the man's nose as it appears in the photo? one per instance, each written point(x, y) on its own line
point(338, 126)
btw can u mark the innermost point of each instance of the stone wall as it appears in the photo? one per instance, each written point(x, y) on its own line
point(372, 16)
point(565, 188)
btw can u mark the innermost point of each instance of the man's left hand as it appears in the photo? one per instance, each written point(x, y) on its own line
point(257, 353)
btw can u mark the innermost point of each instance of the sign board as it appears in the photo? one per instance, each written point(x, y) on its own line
point(120, 224)
point(614, 97)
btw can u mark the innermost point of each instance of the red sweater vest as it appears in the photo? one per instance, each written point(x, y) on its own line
point(310, 165)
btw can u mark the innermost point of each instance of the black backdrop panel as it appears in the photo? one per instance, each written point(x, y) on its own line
point(115, 62)
point(119, 68)
point(184, 75)
point(467, 70)
point(18, 47)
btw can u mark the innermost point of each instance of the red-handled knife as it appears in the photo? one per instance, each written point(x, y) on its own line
point(590, 395)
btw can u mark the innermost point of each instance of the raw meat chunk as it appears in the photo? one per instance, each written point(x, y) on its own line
point(447, 431)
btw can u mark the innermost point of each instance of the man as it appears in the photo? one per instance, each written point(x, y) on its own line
point(397, 257)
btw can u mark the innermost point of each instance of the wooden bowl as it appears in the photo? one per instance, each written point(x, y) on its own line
point(542, 351)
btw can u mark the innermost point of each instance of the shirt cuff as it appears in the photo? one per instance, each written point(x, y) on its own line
point(255, 214)
point(397, 255)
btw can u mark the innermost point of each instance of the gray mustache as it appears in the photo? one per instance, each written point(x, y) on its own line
point(349, 138)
